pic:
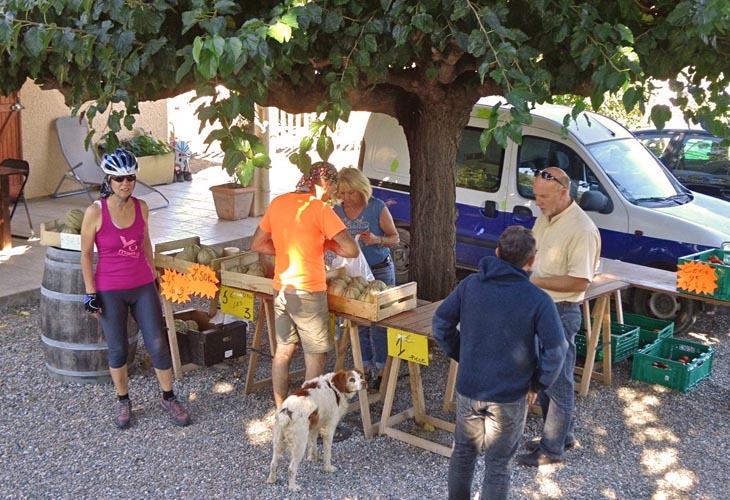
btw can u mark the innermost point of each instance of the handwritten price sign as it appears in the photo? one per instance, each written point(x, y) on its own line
point(408, 346)
point(236, 302)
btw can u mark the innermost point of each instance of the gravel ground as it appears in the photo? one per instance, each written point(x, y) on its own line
point(57, 440)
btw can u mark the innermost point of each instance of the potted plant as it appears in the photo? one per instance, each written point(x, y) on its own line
point(233, 199)
point(155, 157)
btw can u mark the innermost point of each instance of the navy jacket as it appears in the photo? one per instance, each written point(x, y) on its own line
point(509, 336)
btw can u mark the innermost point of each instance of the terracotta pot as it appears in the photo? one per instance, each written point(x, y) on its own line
point(232, 202)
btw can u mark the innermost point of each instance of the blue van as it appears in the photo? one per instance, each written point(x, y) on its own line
point(644, 214)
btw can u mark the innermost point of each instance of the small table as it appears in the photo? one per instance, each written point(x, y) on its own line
point(6, 239)
point(597, 324)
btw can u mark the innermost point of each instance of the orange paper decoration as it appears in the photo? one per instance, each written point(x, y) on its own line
point(697, 277)
point(200, 280)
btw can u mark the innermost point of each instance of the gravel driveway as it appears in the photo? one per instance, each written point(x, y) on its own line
point(57, 441)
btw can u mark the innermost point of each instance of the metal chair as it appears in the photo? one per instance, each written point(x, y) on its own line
point(83, 167)
point(24, 171)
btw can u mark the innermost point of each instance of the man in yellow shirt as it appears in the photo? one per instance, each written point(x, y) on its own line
point(568, 253)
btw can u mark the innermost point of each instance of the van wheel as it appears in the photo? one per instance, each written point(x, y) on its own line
point(400, 256)
point(665, 306)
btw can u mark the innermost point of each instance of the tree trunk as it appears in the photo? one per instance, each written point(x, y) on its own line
point(433, 132)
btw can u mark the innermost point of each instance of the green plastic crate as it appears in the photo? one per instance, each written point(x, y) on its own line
point(722, 292)
point(650, 329)
point(624, 342)
point(657, 364)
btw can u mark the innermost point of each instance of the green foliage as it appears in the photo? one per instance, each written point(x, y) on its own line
point(418, 61)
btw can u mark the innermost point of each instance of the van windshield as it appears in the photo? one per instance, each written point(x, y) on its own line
point(637, 174)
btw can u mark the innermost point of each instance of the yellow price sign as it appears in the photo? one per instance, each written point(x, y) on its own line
point(237, 302)
point(408, 346)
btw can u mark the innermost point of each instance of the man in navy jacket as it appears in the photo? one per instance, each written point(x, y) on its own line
point(507, 337)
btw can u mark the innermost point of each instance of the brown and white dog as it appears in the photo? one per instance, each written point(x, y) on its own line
point(314, 409)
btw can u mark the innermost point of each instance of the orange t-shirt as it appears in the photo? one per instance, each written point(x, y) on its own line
point(299, 224)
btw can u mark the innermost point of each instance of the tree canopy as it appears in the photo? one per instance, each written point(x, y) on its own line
point(424, 62)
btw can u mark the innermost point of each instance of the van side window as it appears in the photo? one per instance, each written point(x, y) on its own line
point(475, 169)
point(537, 153)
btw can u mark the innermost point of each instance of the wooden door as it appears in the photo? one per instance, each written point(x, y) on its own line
point(10, 146)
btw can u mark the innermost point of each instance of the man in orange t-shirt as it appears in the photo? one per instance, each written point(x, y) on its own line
point(298, 227)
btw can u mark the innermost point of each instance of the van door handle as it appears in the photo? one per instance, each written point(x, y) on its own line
point(522, 213)
point(489, 209)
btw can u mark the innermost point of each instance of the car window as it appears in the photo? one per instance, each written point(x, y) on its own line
point(537, 153)
point(705, 155)
point(657, 144)
point(477, 169)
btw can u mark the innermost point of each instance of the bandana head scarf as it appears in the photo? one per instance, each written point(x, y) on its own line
point(320, 170)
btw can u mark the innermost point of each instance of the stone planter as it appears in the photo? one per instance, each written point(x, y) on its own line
point(159, 169)
point(232, 202)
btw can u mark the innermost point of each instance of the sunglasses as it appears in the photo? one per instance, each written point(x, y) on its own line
point(550, 177)
point(122, 178)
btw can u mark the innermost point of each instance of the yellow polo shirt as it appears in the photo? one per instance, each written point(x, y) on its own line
point(568, 244)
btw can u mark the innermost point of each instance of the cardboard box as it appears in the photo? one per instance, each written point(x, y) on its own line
point(214, 342)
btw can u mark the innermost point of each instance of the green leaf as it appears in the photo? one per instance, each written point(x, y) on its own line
point(660, 115)
point(279, 32)
point(325, 147)
point(394, 166)
point(423, 22)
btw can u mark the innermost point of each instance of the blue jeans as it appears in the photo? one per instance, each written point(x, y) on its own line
point(374, 339)
point(557, 401)
point(496, 427)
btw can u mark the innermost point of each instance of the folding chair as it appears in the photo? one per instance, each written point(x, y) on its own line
point(24, 168)
point(83, 167)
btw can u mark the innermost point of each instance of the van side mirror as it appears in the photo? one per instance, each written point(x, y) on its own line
point(595, 201)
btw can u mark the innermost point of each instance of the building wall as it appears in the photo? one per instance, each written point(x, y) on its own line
point(40, 144)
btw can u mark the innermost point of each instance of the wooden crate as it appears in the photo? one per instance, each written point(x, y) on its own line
point(243, 281)
point(164, 255)
point(51, 236)
point(387, 303)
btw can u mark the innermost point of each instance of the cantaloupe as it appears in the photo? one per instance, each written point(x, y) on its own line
point(73, 219)
point(181, 326)
point(192, 325)
point(205, 255)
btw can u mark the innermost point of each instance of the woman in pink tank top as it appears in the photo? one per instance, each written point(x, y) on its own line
point(124, 282)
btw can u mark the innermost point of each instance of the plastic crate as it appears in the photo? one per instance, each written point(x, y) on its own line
point(722, 271)
point(624, 342)
point(657, 364)
point(650, 329)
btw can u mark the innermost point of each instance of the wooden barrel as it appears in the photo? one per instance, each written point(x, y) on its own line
point(73, 341)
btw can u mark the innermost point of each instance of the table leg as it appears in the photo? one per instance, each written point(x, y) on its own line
point(363, 397)
point(606, 332)
point(172, 339)
point(6, 240)
point(341, 346)
point(448, 404)
point(251, 385)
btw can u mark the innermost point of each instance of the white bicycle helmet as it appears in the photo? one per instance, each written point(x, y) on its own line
point(120, 162)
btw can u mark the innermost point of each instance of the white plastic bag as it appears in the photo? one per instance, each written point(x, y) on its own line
point(354, 266)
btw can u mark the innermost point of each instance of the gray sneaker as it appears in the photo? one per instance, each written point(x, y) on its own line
point(124, 414)
point(176, 411)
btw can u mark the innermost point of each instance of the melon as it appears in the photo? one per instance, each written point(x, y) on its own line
point(192, 325)
point(181, 326)
point(70, 230)
point(336, 288)
point(189, 254)
point(351, 292)
point(361, 282)
point(205, 255)
point(217, 250)
point(73, 218)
